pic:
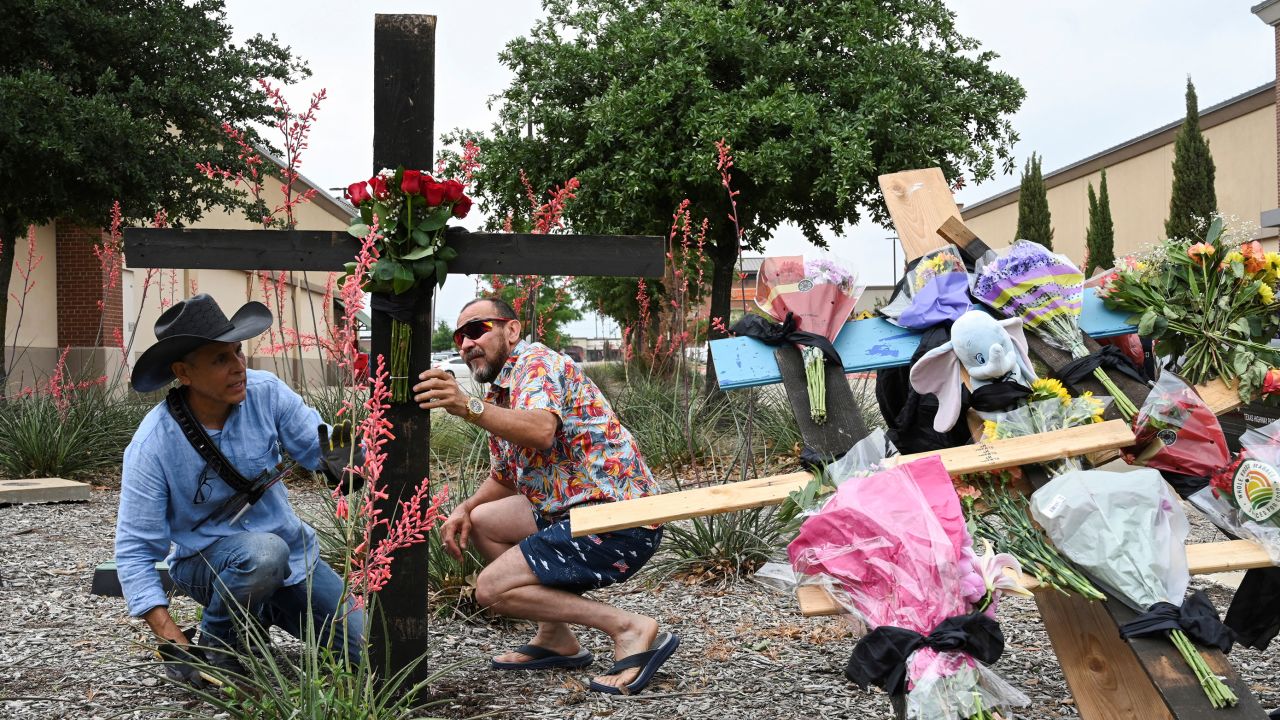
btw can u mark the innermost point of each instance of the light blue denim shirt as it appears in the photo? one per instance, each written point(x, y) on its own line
point(167, 489)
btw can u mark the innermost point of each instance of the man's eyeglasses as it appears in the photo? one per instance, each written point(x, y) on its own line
point(475, 329)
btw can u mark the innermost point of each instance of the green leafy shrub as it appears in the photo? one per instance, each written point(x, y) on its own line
point(719, 547)
point(82, 435)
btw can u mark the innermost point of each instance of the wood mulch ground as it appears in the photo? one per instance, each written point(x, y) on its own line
point(745, 652)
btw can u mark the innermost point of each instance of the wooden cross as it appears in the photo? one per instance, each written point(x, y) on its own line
point(404, 71)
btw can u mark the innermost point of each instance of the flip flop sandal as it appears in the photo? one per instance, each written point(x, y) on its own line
point(544, 659)
point(649, 661)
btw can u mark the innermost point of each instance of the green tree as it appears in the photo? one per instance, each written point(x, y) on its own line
point(1034, 223)
point(554, 307)
point(104, 100)
point(816, 99)
point(442, 338)
point(1101, 235)
point(1194, 200)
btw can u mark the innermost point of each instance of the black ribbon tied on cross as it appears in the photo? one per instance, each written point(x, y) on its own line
point(880, 657)
point(1197, 618)
point(1108, 357)
point(398, 306)
point(998, 396)
point(777, 334)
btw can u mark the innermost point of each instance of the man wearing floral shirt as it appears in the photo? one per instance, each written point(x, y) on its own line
point(555, 443)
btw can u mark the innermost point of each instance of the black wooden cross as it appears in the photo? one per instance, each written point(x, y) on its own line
point(404, 72)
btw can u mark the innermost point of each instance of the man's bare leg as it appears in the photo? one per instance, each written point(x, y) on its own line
point(498, 526)
point(508, 587)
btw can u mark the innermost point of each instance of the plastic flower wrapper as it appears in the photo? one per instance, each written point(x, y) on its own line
point(896, 542)
point(934, 290)
point(1175, 431)
point(1244, 497)
point(1049, 407)
point(819, 291)
point(1045, 290)
point(867, 456)
point(1129, 532)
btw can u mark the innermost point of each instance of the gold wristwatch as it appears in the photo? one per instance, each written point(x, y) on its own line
point(475, 406)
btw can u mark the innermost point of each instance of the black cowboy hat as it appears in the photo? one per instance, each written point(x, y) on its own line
point(186, 326)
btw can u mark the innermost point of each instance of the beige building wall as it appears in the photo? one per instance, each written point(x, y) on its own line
point(1242, 139)
point(145, 293)
point(31, 328)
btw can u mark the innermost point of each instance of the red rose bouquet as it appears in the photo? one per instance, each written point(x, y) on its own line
point(1177, 432)
point(409, 210)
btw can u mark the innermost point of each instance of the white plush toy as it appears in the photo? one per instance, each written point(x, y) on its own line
point(987, 348)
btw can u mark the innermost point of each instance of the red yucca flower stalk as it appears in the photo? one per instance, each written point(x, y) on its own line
point(371, 564)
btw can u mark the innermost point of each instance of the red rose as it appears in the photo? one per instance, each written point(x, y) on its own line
point(379, 185)
point(462, 207)
point(357, 192)
point(411, 182)
point(452, 190)
point(1271, 383)
point(433, 191)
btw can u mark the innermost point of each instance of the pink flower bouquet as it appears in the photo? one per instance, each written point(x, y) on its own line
point(896, 542)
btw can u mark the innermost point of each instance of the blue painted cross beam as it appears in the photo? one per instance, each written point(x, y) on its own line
point(873, 344)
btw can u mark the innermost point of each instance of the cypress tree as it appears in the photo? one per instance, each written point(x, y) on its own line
point(1194, 200)
point(1101, 235)
point(1033, 206)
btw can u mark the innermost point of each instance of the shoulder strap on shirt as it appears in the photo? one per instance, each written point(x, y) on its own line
point(199, 438)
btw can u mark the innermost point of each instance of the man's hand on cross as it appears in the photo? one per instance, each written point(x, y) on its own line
point(438, 389)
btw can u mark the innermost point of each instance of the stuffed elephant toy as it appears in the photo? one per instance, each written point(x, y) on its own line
point(987, 348)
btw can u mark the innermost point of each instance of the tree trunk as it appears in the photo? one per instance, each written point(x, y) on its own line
point(10, 227)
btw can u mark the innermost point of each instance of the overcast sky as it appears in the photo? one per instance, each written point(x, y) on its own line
point(1096, 73)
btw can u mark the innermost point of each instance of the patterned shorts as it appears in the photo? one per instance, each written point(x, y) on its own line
point(589, 562)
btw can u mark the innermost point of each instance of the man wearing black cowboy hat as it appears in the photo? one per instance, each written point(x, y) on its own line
point(200, 485)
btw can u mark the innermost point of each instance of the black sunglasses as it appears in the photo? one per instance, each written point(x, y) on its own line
point(475, 329)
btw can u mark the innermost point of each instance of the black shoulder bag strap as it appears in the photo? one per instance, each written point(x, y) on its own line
point(204, 445)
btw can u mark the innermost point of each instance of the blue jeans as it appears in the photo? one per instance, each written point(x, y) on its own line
point(248, 571)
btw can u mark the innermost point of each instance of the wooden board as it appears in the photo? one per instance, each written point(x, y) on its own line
point(954, 231)
point(1106, 679)
point(773, 490)
point(919, 201)
point(1168, 673)
point(42, 490)
point(482, 253)
point(844, 425)
point(1202, 559)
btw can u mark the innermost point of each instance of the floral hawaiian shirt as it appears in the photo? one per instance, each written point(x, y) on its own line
point(593, 459)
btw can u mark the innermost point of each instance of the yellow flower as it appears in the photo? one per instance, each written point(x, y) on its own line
point(1232, 257)
point(1095, 404)
point(1047, 388)
point(1140, 266)
point(1266, 293)
point(989, 429)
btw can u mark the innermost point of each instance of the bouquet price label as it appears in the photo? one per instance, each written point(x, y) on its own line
point(1256, 487)
point(1054, 506)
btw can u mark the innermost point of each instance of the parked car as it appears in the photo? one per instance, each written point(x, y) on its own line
point(460, 371)
point(455, 366)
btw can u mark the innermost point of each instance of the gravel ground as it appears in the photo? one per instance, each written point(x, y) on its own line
point(745, 651)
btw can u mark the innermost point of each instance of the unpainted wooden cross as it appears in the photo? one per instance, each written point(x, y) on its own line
point(404, 71)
